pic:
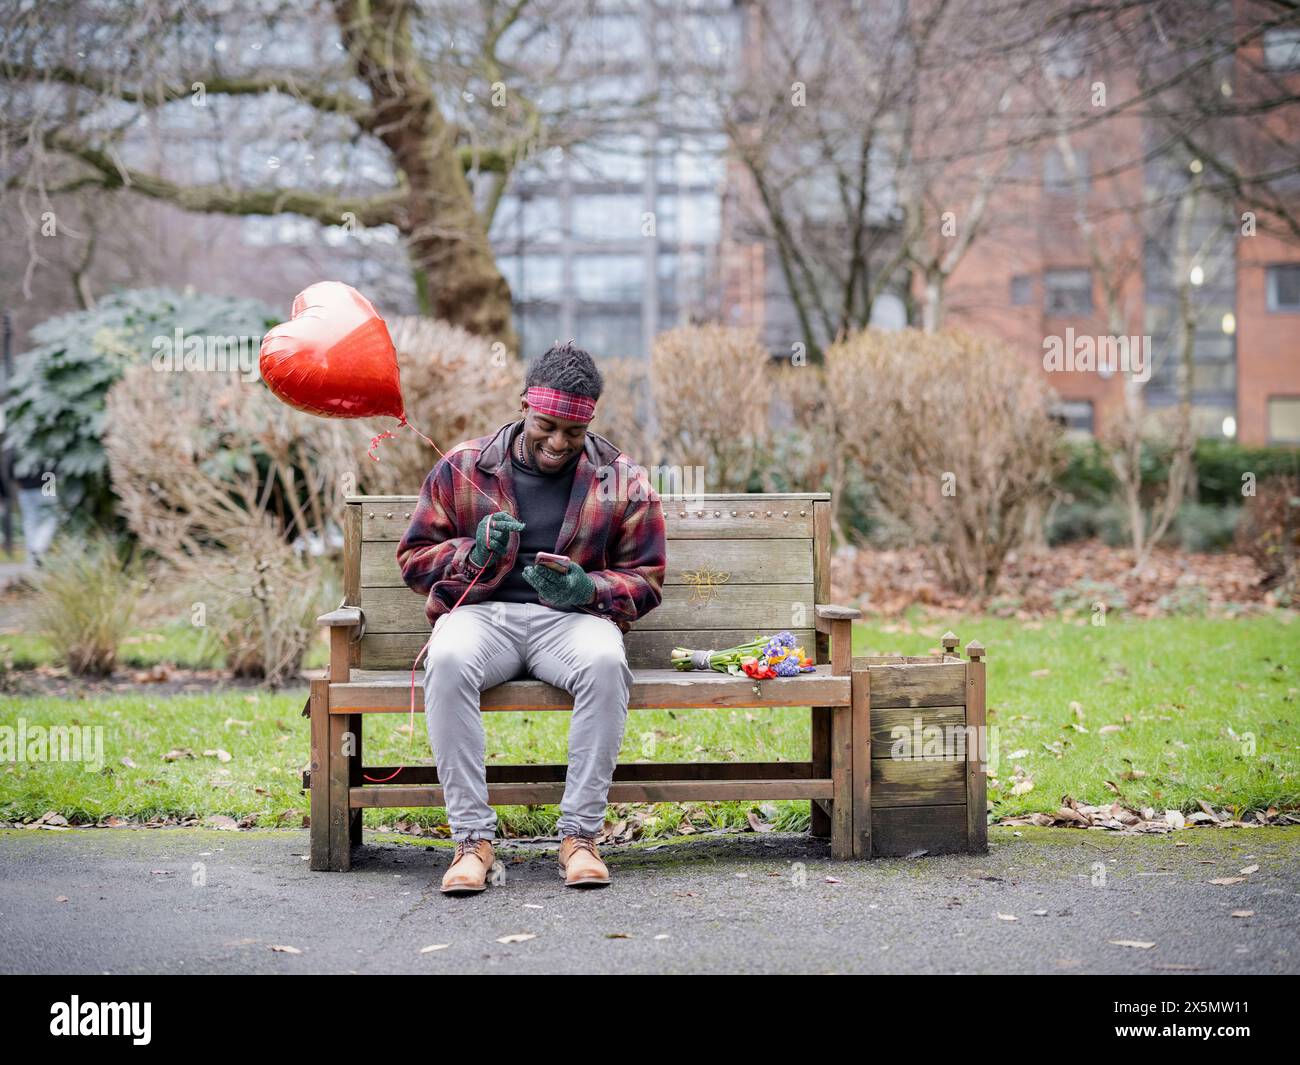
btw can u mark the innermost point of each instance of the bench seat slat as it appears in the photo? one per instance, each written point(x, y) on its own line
point(389, 691)
point(619, 791)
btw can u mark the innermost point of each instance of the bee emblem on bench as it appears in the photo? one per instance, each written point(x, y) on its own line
point(704, 584)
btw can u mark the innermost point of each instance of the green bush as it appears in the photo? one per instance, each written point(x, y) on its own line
point(1205, 527)
point(1087, 478)
point(55, 400)
point(1220, 465)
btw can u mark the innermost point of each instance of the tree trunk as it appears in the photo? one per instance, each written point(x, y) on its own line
point(451, 258)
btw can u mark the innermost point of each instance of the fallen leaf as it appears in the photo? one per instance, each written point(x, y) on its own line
point(434, 946)
point(1137, 943)
point(1243, 913)
point(1226, 880)
point(517, 937)
point(282, 949)
point(1007, 917)
point(1248, 870)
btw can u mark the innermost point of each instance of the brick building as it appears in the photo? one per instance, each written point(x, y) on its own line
point(1074, 248)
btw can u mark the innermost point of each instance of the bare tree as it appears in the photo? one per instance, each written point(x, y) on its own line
point(393, 113)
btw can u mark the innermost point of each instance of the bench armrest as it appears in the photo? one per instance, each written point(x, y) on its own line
point(827, 613)
point(344, 615)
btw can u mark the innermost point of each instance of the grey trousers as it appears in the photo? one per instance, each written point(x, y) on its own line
point(479, 645)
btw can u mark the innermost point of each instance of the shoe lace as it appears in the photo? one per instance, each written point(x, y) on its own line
point(464, 847)
point(586, 843)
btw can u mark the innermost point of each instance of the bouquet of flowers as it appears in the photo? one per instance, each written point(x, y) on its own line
point(763, 658)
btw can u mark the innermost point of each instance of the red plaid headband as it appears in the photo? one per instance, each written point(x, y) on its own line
point(567, 405)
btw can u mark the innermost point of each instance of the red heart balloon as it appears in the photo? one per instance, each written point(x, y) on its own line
point(334, 356)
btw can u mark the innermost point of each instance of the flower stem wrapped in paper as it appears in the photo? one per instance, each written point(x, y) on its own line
point(762, 658)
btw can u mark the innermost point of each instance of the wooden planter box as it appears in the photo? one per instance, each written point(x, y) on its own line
point(919, 753)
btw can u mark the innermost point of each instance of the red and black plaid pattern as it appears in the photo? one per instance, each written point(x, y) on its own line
point(618, 537)
point(568, 405)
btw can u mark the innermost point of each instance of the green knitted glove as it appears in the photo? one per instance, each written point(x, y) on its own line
point(503, 525)
point(574, 588)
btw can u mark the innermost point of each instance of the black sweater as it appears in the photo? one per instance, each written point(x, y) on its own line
point(543, 499)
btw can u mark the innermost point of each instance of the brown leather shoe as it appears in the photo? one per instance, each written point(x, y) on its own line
point(580, 863)
point(469, 867)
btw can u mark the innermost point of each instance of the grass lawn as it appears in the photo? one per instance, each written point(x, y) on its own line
point(1206, 709)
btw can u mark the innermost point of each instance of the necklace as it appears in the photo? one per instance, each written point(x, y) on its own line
point(519, 440)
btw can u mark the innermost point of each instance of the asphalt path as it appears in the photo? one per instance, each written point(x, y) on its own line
point(136, 900)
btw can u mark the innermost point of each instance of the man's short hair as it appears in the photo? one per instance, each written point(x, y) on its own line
point(568, 368)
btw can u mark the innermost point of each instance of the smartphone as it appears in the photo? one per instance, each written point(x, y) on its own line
point(559, 563)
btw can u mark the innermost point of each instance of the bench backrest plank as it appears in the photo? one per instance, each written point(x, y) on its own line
point(738, 565)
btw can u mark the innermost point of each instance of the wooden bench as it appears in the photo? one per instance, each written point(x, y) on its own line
point(738, 565)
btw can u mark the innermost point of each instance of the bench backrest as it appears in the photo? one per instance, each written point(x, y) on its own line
point(738, 566)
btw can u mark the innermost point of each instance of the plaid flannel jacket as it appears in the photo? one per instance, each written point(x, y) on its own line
point(613, 528)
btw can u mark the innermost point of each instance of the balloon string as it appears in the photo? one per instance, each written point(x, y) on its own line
point(402, 422)
point(374, 443)
point(416, 663)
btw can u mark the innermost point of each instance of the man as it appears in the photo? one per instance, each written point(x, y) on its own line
point(542, 483)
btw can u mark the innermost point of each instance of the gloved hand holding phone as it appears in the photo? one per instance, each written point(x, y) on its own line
point(570, 587)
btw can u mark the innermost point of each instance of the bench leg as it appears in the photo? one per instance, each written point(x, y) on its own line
point(861, 757)
point(821, 763)
point(340, 842)
point(842, 775)
point(320, 776)
point(354, 777)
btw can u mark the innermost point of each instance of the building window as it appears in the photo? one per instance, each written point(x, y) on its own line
point(1075, 415)
point(1284, 419)
point(1022, 290)
point(1057, 179)
point(1067, 292)
point(1282, 48)
point(1284, 287)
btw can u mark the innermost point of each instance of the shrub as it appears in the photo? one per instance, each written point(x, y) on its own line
point(625, 414)
point(1205, 527)
point(710, 390)
point(265, 599)
point(86, 597)
point(1269, 532)
point(235, 492)
point(456, 387)
point(1221, 464)
point(1086, 476)
point(55, 401)
point(958, 438)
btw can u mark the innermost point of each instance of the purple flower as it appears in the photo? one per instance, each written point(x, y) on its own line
point(787, 667)
point(786, 639)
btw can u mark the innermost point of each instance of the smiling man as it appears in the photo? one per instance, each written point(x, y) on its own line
point(562, 490)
